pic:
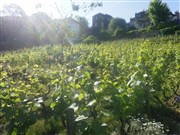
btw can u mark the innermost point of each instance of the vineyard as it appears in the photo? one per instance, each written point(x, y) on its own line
point(119, 88)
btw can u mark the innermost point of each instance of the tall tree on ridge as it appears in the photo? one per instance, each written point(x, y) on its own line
point(159, 14)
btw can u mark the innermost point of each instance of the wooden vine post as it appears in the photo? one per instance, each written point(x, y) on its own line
point(70, 121)
point(148, 97)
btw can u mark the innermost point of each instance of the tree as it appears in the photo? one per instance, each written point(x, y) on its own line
point(13, 24)
point(117, 26)
point(159, 14)
point(43, 27)
point(19, 30)
point(86, 8)
point(13, 10)
point(117, 23)
point(64, 25)
point(83, 26)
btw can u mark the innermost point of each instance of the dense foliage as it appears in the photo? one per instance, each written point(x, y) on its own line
point(160, 14)
point(117, 23)
point(116, 87)
point(18, 30)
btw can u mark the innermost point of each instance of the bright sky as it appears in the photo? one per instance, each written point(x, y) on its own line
point(117, 8)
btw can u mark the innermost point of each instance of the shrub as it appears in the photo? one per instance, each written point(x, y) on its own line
point(44, 127)
point(104, 35)
point(119, 33)
point(37, 128)
point(167, 31)
point(170, 30)
point(133, 33)
point(90, 40)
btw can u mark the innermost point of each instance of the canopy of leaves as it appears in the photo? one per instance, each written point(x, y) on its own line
point(20, 30)
point(159, 13)
point(116, 23)
point(83, 26)
point(12, 10)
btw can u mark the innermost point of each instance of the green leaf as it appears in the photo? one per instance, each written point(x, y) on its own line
point(87, 74)
point(92, 102)
point(80, 97)
point(81, 117)
point(14, 132)
point(2, 84)
point(105, 112)
point(52, 105)
point(18, 100)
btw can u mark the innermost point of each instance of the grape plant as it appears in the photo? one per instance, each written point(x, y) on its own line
point(109, 86)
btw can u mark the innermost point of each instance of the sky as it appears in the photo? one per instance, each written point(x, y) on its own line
point(116, 8)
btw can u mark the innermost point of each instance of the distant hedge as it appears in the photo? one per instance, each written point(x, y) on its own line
point(90, 40)
point(170, 30)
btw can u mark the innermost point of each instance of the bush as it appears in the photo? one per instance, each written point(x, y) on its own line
point(104, 35)
point(131, 27)
point(119, 33)
point(90, 40)
point(170, 30)
point(44, 127)
point(133, 33)
point(167, 31)
point(37, 128)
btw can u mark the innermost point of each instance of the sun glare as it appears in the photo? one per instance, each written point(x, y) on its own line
point(32, 6)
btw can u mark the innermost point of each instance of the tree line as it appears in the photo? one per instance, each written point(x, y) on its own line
point(157, 20)
point(17, 30)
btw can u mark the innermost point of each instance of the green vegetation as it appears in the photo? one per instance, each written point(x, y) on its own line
point(90, 40)
point(116, 87)
point(40, 29)
point(159, 14)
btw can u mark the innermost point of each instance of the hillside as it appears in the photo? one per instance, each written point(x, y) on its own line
point(119, 87)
